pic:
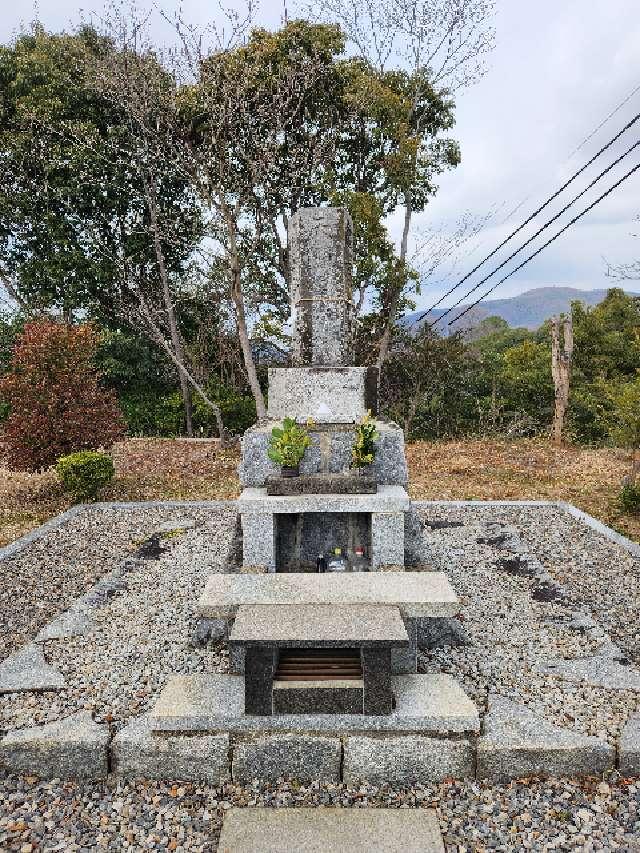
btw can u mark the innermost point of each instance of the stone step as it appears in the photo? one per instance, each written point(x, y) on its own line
point(330, 830)
point(427, 704)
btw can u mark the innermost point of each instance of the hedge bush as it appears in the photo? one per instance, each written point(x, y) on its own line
point(83, 474)
point(56, 403)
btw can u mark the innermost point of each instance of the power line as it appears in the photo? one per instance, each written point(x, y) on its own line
point(537, 233)
point(603, 122)
point(533, 215)
point(544, 245)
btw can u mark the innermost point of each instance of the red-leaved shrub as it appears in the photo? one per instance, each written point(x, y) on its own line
point(57, 403)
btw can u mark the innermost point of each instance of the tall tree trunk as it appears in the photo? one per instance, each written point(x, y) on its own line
point(241, 319)
point(561, 357)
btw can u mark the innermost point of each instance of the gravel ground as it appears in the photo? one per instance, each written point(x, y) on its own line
point(143, 635)
point(541, 816)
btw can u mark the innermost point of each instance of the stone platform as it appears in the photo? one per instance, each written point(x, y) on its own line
point(378, 519)
point(416, 594)
point(426, 704)
point(306, 830)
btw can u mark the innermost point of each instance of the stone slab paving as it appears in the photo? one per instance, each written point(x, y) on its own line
point(71, 623)
point(76, 747)
point(27, 669)
point(417, 594)
point(600, 671)
point(207, 703)
point(517, 743)
point(137, 754)
point(330, 830)
point(305, 758)
point(629, 747)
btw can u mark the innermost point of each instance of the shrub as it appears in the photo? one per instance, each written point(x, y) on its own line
point(630, 498)
point(57, 405)
point(83, 474)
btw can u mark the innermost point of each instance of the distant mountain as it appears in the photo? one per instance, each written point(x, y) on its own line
point(530, 309)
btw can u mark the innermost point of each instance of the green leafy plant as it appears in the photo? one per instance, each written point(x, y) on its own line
point(630, 498)
point(364, 445)
point(288, 444)
point(83, 474)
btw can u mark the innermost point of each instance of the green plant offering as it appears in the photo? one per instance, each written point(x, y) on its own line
point(288, 444)
point(83, 474)
point(364, 445)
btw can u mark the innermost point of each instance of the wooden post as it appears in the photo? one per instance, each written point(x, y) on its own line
point(561, 356)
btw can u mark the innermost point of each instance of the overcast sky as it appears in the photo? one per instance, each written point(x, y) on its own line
point(559, 68)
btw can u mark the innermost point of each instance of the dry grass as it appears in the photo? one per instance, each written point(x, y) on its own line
point(463, 470)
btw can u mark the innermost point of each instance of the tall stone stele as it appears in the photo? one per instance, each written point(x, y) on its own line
point(322, 385)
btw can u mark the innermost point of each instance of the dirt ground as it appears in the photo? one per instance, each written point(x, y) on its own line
point(152, 469)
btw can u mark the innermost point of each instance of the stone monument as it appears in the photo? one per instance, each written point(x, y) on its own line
point(313, 651)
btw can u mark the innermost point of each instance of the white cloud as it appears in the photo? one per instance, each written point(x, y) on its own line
point(557, 71)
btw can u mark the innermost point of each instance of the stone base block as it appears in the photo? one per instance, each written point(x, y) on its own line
point(517, 743)
point(405, 661)
point(330, 830)
point(76, 747)
point(329, 395)
point(139, 754)
point(203, 703)
point(306, 758)
point(629, 748)
point(406, 759)
point(330, 453)
point(317, 697)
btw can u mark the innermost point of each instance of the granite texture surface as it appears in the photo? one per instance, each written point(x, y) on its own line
point(388, 499)
point(598, 671)
point(307, 758)
point(210, 703)
point(73, 748)
point(376, 673)
point(318, 697)
point(319, 626)
point(312, 830)
point(320, 250)
point(406, 760)
point(387, 539)
point(405, 661)
point(330, 452)
point(344, 483)
point(258, 540)
point(330, 395)
point(417, 594)
point(259, 664)
point(136, 753)
point(517, 743)
point(629, 747)
point(27, 669)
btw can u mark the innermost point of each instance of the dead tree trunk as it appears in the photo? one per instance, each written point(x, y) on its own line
point(561, 357)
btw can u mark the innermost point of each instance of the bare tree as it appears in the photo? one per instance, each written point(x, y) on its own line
point(561, 358)
point(442, 44)
point(146, 146)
